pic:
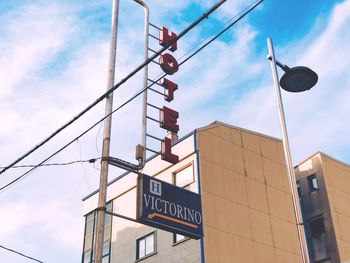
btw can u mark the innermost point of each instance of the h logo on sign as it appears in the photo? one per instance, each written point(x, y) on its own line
point(155, 187)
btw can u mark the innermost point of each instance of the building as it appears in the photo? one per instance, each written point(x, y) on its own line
point(246, 203)
point(324, 191)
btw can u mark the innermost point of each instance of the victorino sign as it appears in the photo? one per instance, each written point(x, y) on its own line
point(168, 207)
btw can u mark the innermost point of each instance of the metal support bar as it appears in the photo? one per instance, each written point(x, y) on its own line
point(153, 36)
point(154, 26)
point(153, 151)
point(145, 78)
point(287, 155)
point(121, 216)
point(124, 164)
point(152, 119)
point(155, 82)
point(156, 91)
point(150, 49)
point(155, 62)
point(154, 106)
point(153, 137)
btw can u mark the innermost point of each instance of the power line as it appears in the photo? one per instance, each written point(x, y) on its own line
point(21, 254)
point(93, 160)
point(3, 188)
point(116, 86)
point(252, 6)
point(48, 158)
point(218, 30)
point(248, 10)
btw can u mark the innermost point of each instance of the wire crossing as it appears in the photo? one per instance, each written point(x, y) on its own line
point(243, 14)
point(116, 86)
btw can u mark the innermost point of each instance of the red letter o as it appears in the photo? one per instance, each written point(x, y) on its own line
point(168, 64)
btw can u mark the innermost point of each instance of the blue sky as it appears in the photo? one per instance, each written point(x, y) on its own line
point(53, 63)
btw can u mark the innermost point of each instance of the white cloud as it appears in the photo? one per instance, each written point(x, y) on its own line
point(37, 227)
point(34, 34)
point(56, 219)
point(329, 51)
point(316, 119)
point(323, 111)
point(219, 67)
point(40, 90)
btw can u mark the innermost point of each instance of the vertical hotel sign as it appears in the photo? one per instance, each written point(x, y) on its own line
point(168, 207)
point(168, 117)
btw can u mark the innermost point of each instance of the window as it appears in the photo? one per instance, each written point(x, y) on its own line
point(299, 189)
point(313, 184)
point(146, 246)
point(90, 236)
point(90, 225)
point(316, 226)
point(184, 177)
point(177, 238)
point(106, 249)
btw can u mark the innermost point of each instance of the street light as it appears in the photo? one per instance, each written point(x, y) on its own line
point(295, 79)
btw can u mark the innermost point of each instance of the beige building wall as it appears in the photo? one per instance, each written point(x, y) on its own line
point(246, 201)
point(337, 181)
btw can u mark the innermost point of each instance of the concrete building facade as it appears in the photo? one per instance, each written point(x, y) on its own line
point(324, 191)
point(246, 203)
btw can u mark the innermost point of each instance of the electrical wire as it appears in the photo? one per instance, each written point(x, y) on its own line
point(19, 178)
point(21, 254)
point(116, 86)
point(93, 160)
point(98, 133)
point(132, 98)
point(13, 182)
point(245, 11)
point(248, 10)
point(96, 167)
point(218, 30)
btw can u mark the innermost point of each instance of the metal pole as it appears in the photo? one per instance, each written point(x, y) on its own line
point(287, 155)
point(145, 81)
point(106, 138)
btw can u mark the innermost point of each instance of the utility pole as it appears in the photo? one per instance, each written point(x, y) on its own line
point(101, 209)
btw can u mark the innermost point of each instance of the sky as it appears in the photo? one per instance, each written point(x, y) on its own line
point(53, 63)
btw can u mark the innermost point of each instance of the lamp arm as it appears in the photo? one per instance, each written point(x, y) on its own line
point(284, 67)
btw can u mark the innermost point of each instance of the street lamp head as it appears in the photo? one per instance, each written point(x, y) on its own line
point(298, 79)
